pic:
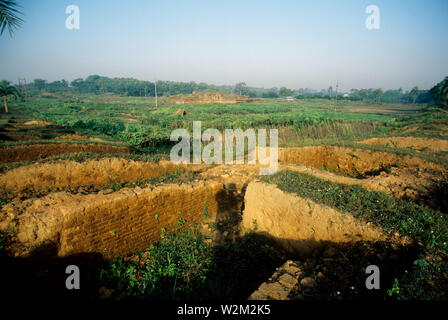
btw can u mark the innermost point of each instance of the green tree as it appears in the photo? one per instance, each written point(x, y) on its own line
point(252, 93)
point(440, 93)
point(9, 18)
point(271, 93)
point(6, 90)
point(285, 92)
point(363, 94)
point(241, 89)
point(414, 93)
point(378, 94)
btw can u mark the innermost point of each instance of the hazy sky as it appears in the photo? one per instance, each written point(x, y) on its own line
point(263, 43)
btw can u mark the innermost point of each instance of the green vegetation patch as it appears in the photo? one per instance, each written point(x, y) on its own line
point(186, 266)
point(6, 144)
point(174, 177)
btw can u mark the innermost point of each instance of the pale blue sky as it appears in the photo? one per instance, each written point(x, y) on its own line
point(264, 43)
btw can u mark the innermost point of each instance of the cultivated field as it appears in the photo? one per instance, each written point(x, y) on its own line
point(87, 180)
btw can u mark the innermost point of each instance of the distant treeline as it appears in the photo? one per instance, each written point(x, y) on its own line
point(95, 84)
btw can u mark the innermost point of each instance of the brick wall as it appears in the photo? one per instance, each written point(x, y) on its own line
point(125, 225)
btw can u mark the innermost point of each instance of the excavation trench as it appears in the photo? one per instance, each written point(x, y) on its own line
point(299, 225)
point(353, 162)
point(120, 223)
point(111, 224)
point(62, 174)
point(400, 176)
point(73, 228)
point(41, 151)
point(228, 202)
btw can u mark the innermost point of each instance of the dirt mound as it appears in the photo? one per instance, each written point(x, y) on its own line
point(57, 175)
point(41, 151)
point(71, 137)
point(300, 225)
point(210, 96)
point(420, 144)
point(353, 162)
point(76, 137)
point(37, 123)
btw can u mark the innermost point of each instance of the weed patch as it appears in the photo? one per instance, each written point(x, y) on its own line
point(186, 266)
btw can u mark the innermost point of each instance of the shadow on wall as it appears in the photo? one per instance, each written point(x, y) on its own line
point(42, 275)
point(237, 269)
point(436, 196)
point(239, 263)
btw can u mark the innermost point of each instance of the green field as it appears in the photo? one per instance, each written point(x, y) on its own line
point(138, 122)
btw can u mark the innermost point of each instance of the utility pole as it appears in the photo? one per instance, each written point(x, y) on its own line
point(155, 87)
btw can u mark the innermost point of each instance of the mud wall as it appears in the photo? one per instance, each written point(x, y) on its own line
point(115, 224)
point(40, 151)
point(349, 161)
point(39, 177)
point(300, 225)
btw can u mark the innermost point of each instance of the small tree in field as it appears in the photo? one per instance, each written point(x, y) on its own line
point(241, 89)
point(378, 94)
point(285, 92)
point(363, 93)
point(6, 90)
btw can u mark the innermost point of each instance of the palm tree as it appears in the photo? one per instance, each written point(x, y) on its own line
point(9, 16)
point(5, 90)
